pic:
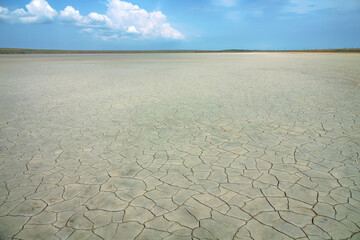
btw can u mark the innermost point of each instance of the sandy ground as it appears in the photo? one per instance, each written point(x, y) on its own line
point(180, 146)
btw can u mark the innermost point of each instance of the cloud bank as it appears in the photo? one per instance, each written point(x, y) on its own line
point(121, 18)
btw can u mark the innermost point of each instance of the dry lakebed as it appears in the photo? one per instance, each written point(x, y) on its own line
point(180, 146)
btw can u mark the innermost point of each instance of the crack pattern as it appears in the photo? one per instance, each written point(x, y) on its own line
point(180, 146)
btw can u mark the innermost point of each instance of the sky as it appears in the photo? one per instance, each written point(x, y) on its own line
point(179, 24)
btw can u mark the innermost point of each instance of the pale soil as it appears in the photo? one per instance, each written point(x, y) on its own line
point(180, 146)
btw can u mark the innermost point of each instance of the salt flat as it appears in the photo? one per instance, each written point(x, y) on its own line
point(180, 146)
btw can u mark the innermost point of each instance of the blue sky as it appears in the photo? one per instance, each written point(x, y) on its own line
point(179, 24)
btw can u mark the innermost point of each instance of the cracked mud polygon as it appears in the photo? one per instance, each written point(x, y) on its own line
point(180, 146)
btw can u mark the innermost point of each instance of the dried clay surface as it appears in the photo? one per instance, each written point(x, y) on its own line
point(180, 146)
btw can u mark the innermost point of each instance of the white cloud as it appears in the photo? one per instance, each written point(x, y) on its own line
point(98, 18)
point(121, 17)
point(93, 19)
point(4, 14)
point(38, 11)
point(132, 29)
point(168, 32)
point(41, 10)
point(19, 12)
point(127, 17)
point(3, 10)
point(70, 14)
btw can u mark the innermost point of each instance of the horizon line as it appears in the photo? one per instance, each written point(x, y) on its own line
point(70, 51)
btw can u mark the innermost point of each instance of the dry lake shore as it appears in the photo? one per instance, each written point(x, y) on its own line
point(180, 146)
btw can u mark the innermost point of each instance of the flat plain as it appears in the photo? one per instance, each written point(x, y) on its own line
point(180, 146)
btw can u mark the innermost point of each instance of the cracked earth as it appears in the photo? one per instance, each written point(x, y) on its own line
point(180, 146)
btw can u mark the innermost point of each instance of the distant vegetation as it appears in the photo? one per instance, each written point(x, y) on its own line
point(49, 51)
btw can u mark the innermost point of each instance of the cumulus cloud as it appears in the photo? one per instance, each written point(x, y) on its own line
point(40, 11)
point(97, 18)
point(71, 15)
point(126, 18)
point(121, 17)
point(37, 11)
point(93, 19)
point(131, 18)
point(3, 10)
point(132, 29)
point(4, 14)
